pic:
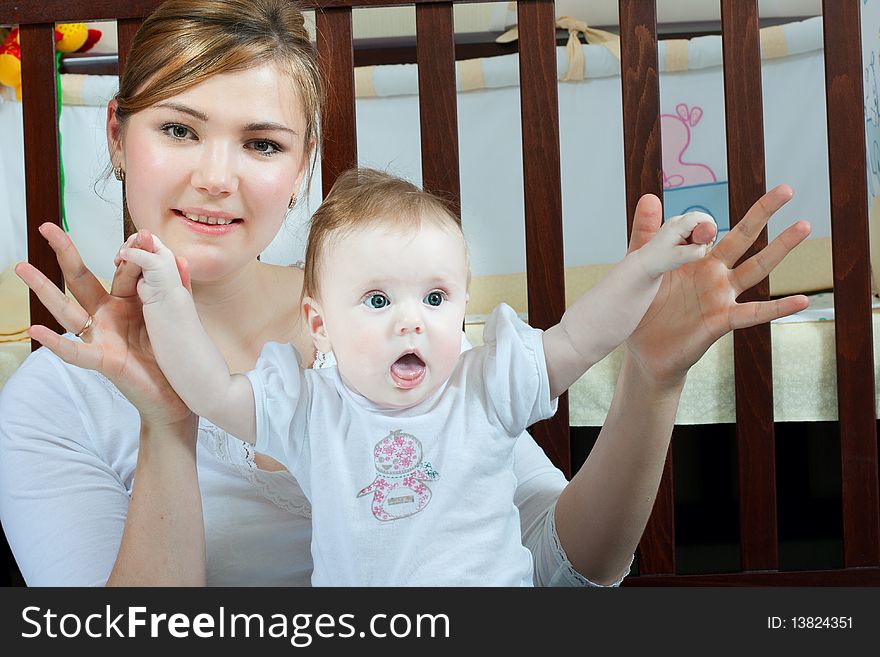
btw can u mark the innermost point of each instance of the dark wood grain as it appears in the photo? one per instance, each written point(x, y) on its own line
point(43, 11)
point(751, 350)
point(852, 284)
point(338, 123)
point(126, 29)
point(837, 577)
point(69, 11)
point(41, 156)
point(640, 89)
point(438, 102)
point(543, 195)
point(643, 170)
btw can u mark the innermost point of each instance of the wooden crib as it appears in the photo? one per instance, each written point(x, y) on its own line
point(435, 54)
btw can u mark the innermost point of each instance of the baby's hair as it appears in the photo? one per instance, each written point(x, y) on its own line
point(366, 197)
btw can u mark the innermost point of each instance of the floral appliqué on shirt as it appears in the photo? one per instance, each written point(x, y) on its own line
point(399, 488)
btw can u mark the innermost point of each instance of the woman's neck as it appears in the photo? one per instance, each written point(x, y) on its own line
point(244, 311)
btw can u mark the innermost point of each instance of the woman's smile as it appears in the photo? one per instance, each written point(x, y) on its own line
point(207, 222)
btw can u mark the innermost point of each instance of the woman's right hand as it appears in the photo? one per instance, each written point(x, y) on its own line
point(116, 343)
point(697, 302)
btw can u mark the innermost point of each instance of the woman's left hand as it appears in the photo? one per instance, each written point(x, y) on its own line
point(696, 303)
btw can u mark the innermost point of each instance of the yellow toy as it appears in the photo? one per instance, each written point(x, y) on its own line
point(69, 37)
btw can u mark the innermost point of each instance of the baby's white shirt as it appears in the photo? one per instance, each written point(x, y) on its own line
point(414, 497)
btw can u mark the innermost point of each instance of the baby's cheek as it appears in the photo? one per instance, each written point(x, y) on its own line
point(449, 352)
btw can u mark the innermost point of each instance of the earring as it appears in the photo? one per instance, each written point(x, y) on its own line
point(292, 202)
point(119, 173)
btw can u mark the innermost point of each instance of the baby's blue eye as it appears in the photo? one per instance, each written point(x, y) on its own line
point(433, 298)
point(376, 300)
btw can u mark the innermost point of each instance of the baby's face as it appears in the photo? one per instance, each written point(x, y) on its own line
point(393, 304)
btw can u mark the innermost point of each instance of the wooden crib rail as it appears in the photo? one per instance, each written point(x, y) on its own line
point(42, 168)
point(852, 284)
point(751, 347)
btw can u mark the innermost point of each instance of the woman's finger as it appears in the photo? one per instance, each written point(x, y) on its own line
point(742, 236)
point(647, 219)
point(70, 351)
point(759, 266)
point(745, 315)
point(127, 272)
point(81, 282)
point(69, 314)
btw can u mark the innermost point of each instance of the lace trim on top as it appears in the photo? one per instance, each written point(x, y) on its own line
point(565, 574)
point(279, 487)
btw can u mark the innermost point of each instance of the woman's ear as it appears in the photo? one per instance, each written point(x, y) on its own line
point(315, 322)
point(114, 136)
point(307, 160)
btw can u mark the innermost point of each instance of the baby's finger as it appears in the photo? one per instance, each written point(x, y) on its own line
point(691, 252)
point(159, 268)
point(704, 233)
point(143, 259)
point(160, 248)
point(68, 313)
point(683, 225)
point(81, 282)
point(70, 351)
point(117, 260)
point(146, 240)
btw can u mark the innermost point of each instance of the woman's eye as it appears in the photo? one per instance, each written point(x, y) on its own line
point(264, 147)
point(376, 300)
point(433, 298)
point(178, 131)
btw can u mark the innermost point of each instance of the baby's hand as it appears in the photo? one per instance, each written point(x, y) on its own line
point(160, 269)
point(680, 240)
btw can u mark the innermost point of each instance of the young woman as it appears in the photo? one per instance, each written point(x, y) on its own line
point(106, 477)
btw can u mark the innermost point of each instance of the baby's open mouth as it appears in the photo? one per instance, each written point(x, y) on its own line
point(408, 371)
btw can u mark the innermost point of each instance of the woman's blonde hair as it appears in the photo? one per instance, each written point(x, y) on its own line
point(366, 197)
point(185, 42)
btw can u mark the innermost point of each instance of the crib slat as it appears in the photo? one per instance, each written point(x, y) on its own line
point(47, 11)
point(543, 195)
point(338, 125)
point(852, 283)
point(640, 88)
point(751, 347)
point(125, 31)
point(41, 156)
point(438, 103)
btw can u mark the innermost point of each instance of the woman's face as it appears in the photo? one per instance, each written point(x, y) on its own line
point(211, 170)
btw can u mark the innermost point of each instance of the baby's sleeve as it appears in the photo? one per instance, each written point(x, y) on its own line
point(281, 401)
point(515, 372)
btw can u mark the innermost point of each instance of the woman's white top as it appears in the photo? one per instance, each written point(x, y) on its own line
point(68, 450)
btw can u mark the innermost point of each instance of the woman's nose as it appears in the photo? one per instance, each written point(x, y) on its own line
point(215, 172)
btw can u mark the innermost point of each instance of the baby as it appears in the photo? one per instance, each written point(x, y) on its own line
point(405, 448)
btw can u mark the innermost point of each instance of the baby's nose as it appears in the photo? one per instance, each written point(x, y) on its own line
point(409, 323)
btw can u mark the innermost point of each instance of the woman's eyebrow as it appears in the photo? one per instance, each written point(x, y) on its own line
point(267, 125)
point(185, 109)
